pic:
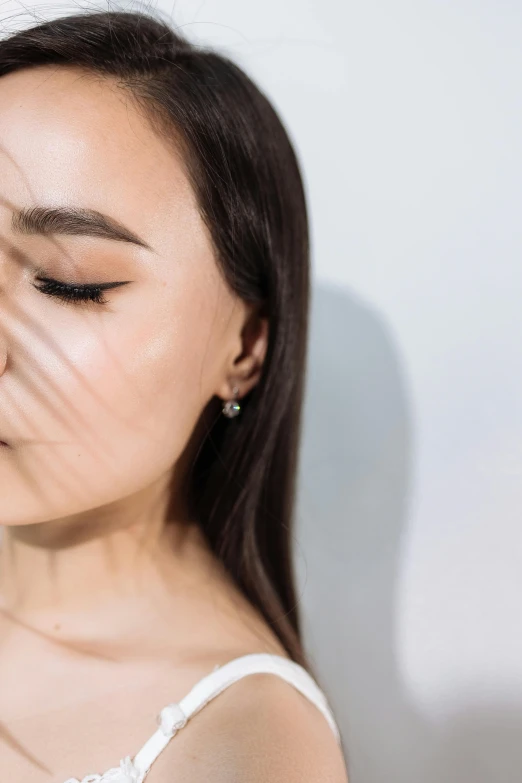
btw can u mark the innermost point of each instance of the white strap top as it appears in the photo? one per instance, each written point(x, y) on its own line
point(174, 716)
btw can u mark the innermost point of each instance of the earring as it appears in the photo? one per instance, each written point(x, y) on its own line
point(232, 407)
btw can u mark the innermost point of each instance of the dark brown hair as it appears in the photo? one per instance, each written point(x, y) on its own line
point(247, 181)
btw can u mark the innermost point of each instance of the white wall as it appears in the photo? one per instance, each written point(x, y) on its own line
point(408, 119)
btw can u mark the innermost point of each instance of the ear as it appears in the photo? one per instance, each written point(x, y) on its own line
point(246, 363)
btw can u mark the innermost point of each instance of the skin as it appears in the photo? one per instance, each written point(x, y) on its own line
point(102, 409)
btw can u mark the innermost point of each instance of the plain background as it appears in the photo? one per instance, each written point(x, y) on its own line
point(407, 118)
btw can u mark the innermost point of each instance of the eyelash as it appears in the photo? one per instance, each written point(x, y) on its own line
point(76, 294)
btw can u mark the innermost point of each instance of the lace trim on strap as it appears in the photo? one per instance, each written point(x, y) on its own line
point(125, 773)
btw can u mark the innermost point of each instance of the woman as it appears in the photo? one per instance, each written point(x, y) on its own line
point(154, 297)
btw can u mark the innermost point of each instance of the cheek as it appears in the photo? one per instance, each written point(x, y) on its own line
point(120, 397)
point(151, 378)
point(154, 378)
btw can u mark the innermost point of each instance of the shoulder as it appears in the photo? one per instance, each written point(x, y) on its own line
point(259, 729)
point(274, 733)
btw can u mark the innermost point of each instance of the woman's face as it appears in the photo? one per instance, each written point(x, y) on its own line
point(98, 401)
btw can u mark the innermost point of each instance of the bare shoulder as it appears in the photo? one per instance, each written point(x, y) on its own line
point(260, 729)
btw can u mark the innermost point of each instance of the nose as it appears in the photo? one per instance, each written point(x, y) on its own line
point(3, 334)
point(3, 319)
point(11, 270)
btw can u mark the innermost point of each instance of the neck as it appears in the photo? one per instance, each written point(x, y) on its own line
point(99, 573)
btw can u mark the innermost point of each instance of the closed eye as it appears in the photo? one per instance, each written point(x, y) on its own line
point(75, 293)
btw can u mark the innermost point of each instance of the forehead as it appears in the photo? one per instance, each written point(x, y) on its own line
point(67, 136)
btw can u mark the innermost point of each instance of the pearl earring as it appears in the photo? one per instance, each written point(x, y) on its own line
point(231, 408)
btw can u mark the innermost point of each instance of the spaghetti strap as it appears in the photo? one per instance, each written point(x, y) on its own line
point(174, 716)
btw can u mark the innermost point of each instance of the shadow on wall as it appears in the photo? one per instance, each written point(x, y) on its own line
point(353, 506)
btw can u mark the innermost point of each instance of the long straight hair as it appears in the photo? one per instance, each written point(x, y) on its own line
point(248, 185)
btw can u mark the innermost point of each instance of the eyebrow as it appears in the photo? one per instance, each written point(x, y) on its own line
point(73, 220)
